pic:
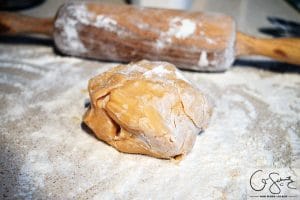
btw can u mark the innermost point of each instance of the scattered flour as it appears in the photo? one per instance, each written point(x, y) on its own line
point(203, 61)
point(179, 28)
point(210, 41)
point(69, 21)
point(33, 173)
point(105, 22)
point(12, 80)
point(255, 123)
point(133, 68)
point(161, 71)
point(229, 54)
point(22, 66)
point(179, 75)
point(158, 71)
point(68, 38)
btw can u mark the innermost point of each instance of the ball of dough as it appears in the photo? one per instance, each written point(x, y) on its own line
point(146, 108)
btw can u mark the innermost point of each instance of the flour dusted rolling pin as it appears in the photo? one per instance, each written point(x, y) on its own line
point(191, 40)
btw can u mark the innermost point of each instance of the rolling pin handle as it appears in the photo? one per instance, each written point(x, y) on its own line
point(12, 24)
point(282, 49)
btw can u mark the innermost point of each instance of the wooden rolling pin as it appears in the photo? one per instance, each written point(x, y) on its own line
point(191, 40)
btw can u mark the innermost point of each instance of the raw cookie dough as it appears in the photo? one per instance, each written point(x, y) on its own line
point(147, 108)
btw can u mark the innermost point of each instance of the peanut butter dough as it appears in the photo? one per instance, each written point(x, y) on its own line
point(146, 108)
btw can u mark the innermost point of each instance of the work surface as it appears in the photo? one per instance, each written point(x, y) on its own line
point(46, 153)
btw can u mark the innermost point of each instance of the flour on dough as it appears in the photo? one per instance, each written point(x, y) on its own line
point(147, 108)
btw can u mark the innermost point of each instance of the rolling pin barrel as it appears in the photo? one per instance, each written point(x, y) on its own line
point(192, 40)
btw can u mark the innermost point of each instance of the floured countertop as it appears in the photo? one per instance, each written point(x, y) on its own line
point(47, 154)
